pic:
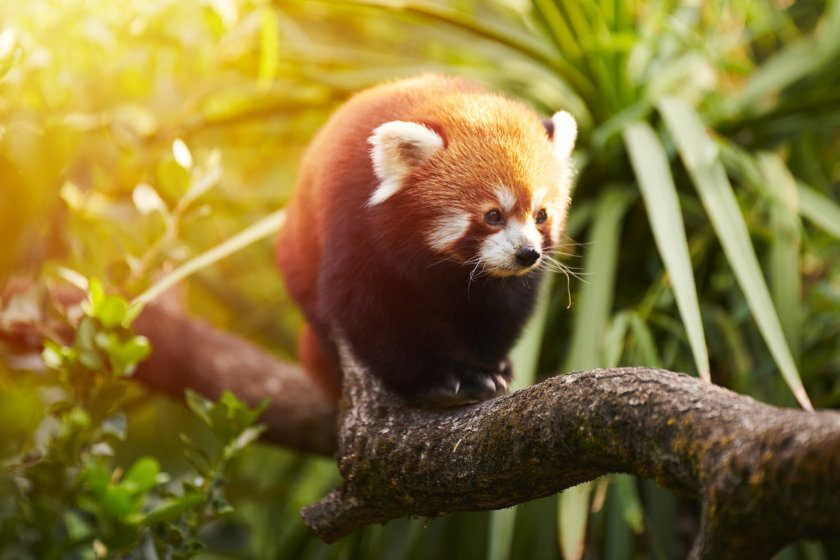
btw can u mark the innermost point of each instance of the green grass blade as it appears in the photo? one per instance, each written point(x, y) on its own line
point(525, 354)
point(644, 341)
point(785, 247)
point(500, 535)
point(653, 174)
point(514, 38)
point(524, 357)
point(700, 156)
point(560, 31)
point(590, 325)
point(819, 209)
point(802, 57)
point(573, 511)
point(265, 227)
point(596, 297)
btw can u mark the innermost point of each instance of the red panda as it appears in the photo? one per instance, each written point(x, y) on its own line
point(417, 233)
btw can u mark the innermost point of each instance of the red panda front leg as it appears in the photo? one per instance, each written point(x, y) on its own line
point(470, 386)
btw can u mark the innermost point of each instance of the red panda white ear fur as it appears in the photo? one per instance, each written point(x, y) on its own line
point(399, 146)
point(564, 135)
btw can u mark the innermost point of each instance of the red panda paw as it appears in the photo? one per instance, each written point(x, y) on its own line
point(470, 386)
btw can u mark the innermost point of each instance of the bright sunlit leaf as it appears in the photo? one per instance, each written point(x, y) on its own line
point(147, 200)
point(182, 154)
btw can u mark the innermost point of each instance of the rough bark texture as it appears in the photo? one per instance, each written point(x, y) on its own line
point(765, 476)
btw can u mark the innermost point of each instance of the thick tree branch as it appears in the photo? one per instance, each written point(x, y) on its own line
point(765, 476)
point(190, 354)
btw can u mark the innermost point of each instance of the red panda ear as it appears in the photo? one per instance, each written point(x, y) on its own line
point(398, 147)
point(563, 134)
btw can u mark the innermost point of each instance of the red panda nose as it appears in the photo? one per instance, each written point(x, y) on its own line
point(526, 256)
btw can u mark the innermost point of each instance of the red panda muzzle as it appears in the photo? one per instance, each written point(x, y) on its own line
point(417, 233)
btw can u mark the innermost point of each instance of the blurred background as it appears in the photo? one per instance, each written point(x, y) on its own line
point(135, 135)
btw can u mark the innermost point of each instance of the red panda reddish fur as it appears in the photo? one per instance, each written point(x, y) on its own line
point(417, 234)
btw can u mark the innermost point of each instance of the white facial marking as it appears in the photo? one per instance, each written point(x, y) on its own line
point(447, 230)
point(397, 147)
point(498, 252)
point(505, 197)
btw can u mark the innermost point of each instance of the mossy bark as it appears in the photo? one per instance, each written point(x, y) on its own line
point(765, 476)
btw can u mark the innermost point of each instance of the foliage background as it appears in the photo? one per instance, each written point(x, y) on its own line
point(135, 135)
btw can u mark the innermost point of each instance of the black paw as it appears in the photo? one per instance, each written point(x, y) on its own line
point(468, 387)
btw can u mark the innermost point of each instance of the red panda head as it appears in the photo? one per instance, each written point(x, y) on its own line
point(483, 179)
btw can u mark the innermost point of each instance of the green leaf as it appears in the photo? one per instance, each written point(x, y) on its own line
point(199, 405)
point(78, 529)
point(91, 359)
point(525, 354)
point(96, 295)
point(631, 506)
point(173, 179)
point(132, 313)
point(614, 339)
point(785, 247)
point(86, 334)
point(700, 156)
point(221, 506)
point(820, 209)
point(116, 426)
point(126, 355)
point(515, 38)
point(653, 174)
point(573, 512)
point(51, 355)
point(600, 264)
point(500, 535)
point(170, 509)
point(142, 476)
point(112, 312)
point(644, 340)
point(269, 47)
point(247, 437)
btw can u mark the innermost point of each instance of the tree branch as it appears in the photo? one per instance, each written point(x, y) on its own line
point(190, 354)
point(765, 476)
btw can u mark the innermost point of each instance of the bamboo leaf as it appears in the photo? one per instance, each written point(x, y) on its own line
point(653, 174)
point(699, 154)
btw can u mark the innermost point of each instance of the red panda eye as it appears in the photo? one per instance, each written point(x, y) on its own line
point(494, 217)
point(542, 216)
